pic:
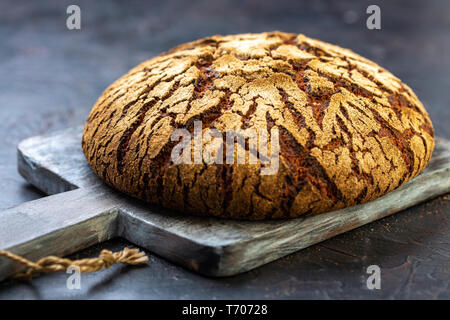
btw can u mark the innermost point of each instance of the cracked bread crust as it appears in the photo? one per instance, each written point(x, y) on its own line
point(349, 131)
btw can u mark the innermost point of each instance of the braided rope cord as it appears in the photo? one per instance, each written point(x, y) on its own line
point(51, 264)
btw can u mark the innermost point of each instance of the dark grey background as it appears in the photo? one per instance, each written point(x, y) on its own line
point(50, 77)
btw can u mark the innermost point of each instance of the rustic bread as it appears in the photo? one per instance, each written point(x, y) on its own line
point(349, 131)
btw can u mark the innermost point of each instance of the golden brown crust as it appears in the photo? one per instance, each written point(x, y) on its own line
point(350, 131)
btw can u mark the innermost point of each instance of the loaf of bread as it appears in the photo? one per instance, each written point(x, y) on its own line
point(347, 130)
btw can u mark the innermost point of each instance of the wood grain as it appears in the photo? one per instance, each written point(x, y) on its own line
point(70, 221)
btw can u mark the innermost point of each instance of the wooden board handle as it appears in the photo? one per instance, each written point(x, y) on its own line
point(57, 225)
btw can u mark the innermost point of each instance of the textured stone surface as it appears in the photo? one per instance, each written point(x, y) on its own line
point(350, 131)
point(51, 78)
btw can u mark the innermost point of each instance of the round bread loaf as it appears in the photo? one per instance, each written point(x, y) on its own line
point(347, 130)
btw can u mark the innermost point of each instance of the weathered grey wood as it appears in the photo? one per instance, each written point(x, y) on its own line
point(58, 225)
point(210, 246)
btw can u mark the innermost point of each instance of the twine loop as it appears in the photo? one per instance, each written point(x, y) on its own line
point(51, 264)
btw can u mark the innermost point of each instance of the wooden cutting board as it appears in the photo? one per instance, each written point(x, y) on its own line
point(82, 211)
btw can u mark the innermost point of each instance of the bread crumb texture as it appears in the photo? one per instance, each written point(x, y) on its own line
point(349, 131)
